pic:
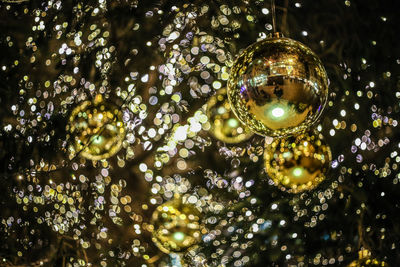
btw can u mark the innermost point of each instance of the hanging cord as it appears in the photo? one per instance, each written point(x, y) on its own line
point(273, 15)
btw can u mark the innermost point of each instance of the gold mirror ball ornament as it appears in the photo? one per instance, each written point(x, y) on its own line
point(366, 260)
point(297, 164)
point(278, 87)
point(96, 129)
point(224, 124)
point(177, 226)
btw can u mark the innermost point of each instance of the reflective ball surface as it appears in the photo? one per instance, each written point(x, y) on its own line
point(176, 226)
point(225, 126)
point(278, 87)
point(297, 164)
point(96, 130)
point(169, 260)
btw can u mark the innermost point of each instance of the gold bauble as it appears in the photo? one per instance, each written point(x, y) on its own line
point(297, 163)
point(278, 87)
point(366, 260)
point(96, 129)
point(177, 226)
point(224, 124)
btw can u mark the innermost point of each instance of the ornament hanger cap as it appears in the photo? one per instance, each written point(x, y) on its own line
point(276, 35)
point(364, 253)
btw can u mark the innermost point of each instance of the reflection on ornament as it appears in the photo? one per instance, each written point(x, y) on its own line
point(96, 129)
point(297, 163)
point(365, 260)
point(278, 87)
point(176, 226)
point(224, 124)
point(170, 260)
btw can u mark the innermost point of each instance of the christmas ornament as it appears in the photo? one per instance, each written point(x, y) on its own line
point(96, 129)
point(297, 163)
point(278, 87)
point(176, 226)
point(365, 260)
point(224, 124)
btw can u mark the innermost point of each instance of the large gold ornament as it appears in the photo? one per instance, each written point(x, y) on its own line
point(366, 260)
point(278, 87)
point(177, 226)
point(224, 124)
point(297, 163)
point(96, 129)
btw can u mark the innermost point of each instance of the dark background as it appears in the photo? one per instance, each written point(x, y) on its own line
point(358, 42)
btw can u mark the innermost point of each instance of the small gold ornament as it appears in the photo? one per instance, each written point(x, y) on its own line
point(224, 124)
point(365, 260)
point(96, 129)
point(176, 226)
point(278, 87)
point(297, 163)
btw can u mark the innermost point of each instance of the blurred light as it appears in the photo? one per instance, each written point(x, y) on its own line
point(278, 112)
point(179, 236)
point(298, 171)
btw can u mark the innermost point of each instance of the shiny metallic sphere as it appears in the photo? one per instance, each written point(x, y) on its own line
point(297, 164)
point(278, 87)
